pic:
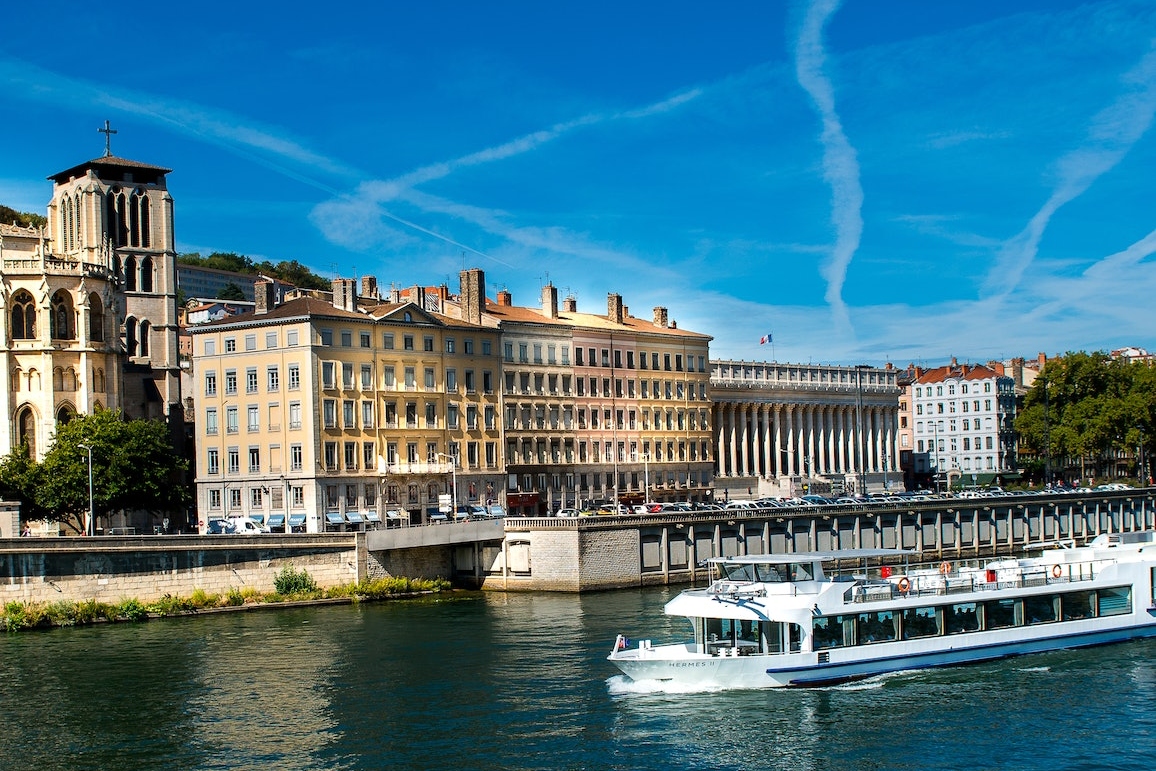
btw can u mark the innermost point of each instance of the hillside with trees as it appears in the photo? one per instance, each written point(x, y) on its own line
point(24, 219)
point(1089, 415)
point(289, 271)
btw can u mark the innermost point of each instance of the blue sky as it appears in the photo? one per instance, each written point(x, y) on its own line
point(903, 181)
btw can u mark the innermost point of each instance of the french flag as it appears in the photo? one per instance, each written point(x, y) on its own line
point(765, 339)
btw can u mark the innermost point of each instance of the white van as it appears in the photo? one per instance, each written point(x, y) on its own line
point(246, 526)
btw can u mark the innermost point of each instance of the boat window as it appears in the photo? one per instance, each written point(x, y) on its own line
point(772, 632)
point(999, 614)
point(801, 571)
point(832, 631)
point(882, 626)
point(920, 622)
point(747, 635)
point(1040, 609)
point(737, 572)
point(960, 617)
point(1077, 605)
point(769, 574)
point(1115, 601)
point(795, 631)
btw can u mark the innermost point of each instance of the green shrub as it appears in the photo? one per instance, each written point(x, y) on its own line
point(290, 582)
point(132, 610)
point(201, 599)
point(170, 605)
point(234, 597)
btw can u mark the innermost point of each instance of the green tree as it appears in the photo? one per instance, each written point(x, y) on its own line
point(1085, 408)
point(231, 291)
point(25, 219)
point(20, 478)
point(134, 466)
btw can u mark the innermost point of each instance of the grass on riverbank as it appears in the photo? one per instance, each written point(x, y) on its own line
point(290, 586)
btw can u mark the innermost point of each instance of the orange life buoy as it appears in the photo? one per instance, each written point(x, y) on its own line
point(904, 584)
point(1057, 571)
point(944, 568)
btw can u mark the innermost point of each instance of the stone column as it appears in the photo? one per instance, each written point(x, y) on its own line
point(744, 437)
point(778, 444)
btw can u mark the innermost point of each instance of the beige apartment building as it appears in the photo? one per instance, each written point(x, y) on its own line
point(316, 415)
point(601, 408)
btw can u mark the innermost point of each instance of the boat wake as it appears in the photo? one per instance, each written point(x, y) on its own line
point(1034, 669)
point(621, 685)
point(873, 683)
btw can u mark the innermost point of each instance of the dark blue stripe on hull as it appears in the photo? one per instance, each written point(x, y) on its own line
point(829, 674)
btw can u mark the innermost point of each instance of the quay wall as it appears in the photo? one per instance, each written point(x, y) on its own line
point(592, 553)
point(110, 569)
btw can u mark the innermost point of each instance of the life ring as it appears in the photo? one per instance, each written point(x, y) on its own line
point(1057, 571)
point(944, 568)
point(904, 584)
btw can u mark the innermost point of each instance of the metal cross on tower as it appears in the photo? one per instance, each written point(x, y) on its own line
point(108, 131)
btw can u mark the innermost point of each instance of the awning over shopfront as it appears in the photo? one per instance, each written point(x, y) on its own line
point(372, 516)
point(276, 521)
point(296, 520)
point(334, 518)
point(354, 517)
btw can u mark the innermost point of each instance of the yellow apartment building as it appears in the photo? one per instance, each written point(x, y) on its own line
point(316, 415)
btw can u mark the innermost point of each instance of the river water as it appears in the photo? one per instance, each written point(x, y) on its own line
point(502, 681)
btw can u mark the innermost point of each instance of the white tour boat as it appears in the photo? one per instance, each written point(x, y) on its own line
point(818, 618)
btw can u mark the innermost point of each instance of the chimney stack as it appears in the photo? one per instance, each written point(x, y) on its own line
point(505, 298)
point(369, 287)
point(345, 294)
point(473, 293)
point(264, 292)
point(614, 307)
point(660, 317)
point(550, 301)
point(570, 304)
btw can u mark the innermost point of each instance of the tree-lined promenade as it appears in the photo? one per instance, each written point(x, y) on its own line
point(1085, 413)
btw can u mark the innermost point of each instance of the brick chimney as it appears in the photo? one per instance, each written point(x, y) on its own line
point(505, 298)
point(394, 295)
point(345, 294)
point(614, 308)
point(473, 294)
point(550, 301)
point(570, 304)
point(369, 287)
point(265, 294)
point(660, 317)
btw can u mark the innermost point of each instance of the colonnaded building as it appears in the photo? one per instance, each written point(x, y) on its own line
point(89, 303)
point(784, 430)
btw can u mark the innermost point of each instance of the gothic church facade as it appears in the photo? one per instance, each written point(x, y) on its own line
point(88, 304)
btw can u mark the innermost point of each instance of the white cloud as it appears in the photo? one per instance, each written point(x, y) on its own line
point(1111, 134)
point(840, 164)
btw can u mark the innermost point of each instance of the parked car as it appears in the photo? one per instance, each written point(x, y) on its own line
point(566, 513)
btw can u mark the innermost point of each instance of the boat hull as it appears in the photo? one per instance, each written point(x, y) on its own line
point(677, 666)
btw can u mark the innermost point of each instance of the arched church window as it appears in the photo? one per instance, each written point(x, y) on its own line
point(144, 338)
point(23, 316)
point(130, 344)
point(130, 274)
point(140, 219)
point(26, 430)
point(65, 414)
point(66, 223)
point(146, 274)
point(95, 318)
point(63, 327)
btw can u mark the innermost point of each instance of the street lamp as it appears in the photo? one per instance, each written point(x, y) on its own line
point(91, 505)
